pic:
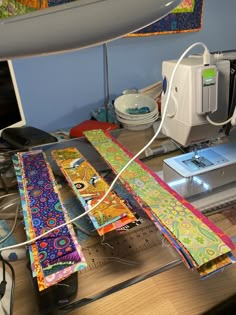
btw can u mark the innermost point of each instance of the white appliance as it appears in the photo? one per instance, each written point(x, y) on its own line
point(194, 94)
point(198, 91)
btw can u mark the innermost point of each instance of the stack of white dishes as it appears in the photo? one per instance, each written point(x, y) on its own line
point(136, 111)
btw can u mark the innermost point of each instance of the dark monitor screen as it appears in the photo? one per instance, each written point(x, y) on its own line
point(11, 112)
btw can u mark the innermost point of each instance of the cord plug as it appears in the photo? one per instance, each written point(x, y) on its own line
point(206, 57)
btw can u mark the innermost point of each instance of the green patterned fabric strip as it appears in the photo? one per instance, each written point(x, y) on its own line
point(199, 239)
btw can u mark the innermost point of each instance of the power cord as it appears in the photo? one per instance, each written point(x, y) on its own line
point(5, 167)
point(4, 282)
point(13, 227)
point(206, 52)
point(214, 123)
point(3, 285)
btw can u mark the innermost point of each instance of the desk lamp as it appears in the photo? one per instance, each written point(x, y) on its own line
point(67, 26)
point(71, 26)
point(75, 25)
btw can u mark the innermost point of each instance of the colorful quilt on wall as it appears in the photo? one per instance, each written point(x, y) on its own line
point(10, 8)
point(187, 17)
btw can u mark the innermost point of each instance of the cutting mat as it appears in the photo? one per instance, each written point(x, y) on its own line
point(122, 256)
point(121, 246)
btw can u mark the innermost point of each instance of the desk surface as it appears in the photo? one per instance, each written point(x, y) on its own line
point(176, 291)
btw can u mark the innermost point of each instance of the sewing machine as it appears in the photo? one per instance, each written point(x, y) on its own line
point(198, 91)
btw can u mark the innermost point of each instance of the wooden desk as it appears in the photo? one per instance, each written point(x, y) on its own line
point(177, 291)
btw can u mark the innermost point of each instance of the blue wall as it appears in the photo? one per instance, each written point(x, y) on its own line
point(59, 91)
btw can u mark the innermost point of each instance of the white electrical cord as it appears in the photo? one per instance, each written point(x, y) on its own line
point(206, 52)
point(219, 123)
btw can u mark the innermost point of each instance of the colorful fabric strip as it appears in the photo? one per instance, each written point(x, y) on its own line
point(90, 187)
point(186, 257)
point(197, 234)
point(57, 255)
point(212, 267)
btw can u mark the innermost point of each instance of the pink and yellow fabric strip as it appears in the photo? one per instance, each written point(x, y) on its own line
point(197, 237)
point(90, 187)
point(57, 255)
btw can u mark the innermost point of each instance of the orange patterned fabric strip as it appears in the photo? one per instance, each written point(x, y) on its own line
point(90, 187)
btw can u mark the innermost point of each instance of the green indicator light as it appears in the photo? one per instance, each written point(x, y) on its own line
point(209, 73)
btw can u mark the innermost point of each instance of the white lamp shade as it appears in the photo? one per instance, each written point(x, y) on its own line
point(76, 25)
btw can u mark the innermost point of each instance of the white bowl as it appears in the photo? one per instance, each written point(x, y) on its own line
point(137, 127)
point(136, 117)
point(137, 122)
point(127, 102)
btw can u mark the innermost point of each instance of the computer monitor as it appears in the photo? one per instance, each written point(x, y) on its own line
point(11, 111)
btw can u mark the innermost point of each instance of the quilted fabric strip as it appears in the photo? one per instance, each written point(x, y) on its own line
point(202, 239)
point(90, 187)
point(57, 255)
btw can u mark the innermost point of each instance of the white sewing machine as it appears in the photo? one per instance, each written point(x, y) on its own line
point(198, 91)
